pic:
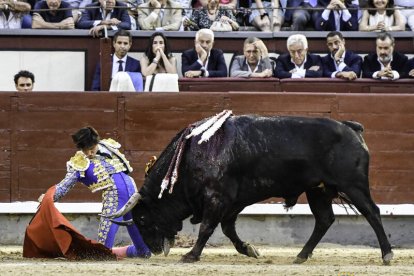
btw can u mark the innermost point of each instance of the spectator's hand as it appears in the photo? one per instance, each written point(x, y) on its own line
point(338, 4)
point(96, 30)
point(381, 26)
point(114, 21)
point(411, 73)
point(155, 4)
point(40, 199)
point(261, 47)
point(193, 74)
point(292, 71)
point(314, 68)
point(67, 25)
point(347, 75)
point(340, 52)
point(267, 73)
point(224, 19)
point(201, 52)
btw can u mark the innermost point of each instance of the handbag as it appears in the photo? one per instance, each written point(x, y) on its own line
point(161, 82)
point(219, 26)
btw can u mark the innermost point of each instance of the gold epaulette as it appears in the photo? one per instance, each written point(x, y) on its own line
point(109, 142)
point(79, 162)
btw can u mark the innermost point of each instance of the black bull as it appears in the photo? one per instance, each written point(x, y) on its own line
point(250, 159)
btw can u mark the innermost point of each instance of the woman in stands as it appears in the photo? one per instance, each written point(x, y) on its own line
point(381, 16)
point(205, 17)
point(158, 57)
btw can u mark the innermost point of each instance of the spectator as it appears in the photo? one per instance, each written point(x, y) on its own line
point(205, 17)
point(203, 60)
point(266, 16)
point(410, 68)
point(133, 11)
point(53, 17)
point(104, 13)
point(299, 13)
point(228, 4)
point(381, 16)
point(14, 15)
point(298, 63)
point(340, 63)
point(160, 15)
point(407, 11)
point(77, 5)
point(338, 15)
point(122, 42)
point(24, 81)
point(255, 62)
point(385, 64)
point(158, 57)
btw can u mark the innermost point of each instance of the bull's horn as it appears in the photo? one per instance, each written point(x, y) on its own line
point(166, 247)
point(132, 201)
point(123, 222)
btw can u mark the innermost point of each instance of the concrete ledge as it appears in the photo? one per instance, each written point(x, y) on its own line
point(30, 207)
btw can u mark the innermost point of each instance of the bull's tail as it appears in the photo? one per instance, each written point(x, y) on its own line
point(354, 125)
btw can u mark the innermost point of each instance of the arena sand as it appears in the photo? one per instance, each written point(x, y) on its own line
point(327, 259)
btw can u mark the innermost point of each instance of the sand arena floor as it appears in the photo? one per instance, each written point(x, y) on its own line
point(327, 260)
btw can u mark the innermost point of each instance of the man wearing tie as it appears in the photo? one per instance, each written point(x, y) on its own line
point(338, 15)
point(122, 42)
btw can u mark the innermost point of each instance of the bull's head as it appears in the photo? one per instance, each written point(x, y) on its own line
point(157, 234)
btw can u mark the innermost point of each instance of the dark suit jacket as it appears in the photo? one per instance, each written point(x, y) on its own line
point(409, 66)
point(216, 64)
point(372, 65)
point(90, 15)
point(289, 12)
point(329, 25)
point(284, 65)
point(353, 63)
point(132, 65)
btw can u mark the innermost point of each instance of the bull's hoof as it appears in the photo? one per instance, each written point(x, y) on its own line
point(386, 260)
point(189, 258)
point(299, 260)
point(251, 251)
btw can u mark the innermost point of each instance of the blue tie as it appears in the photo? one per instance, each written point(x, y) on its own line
point(120, 69)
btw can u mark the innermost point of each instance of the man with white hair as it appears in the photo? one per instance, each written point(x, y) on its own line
point(298, 63)
point(203, 60)
point(385, 64)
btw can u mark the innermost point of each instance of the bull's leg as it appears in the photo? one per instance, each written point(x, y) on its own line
point(320, 203)
point(229, 229)
point(363, 202)
point(211, 217)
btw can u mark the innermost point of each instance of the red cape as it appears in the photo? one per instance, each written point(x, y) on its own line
point(51, 235)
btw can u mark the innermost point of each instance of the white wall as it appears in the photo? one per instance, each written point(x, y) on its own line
point(53, 70)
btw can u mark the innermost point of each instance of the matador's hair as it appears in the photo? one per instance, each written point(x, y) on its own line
point(86, 137)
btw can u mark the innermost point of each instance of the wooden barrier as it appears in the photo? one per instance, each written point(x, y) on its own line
point(35, 131)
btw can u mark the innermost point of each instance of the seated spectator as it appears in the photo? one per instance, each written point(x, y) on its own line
point(381, 16)
point(133, 11)
point(104, 13)
point(338, 15)
point(410, 68)
point(24, 81)
point(299, 14)
point(203, 60)
point(77, 6)
point(14, 15)
point(266, 16)
point(385, 64)
point(158, 57)
point(205, 17)
point(53, 17)
point(340, 63)
point(121, 62)
point(406, 8)
point(298, 63)
point(255, 63)
point(160, 15)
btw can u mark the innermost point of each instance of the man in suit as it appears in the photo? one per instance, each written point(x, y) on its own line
point(103, 13)
point(340, 63)
point(160, 15)
point(255, 63)
point(338, 15)
point(203, 60)
point(385, 64)
point(298, 63)
point(122, 42)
